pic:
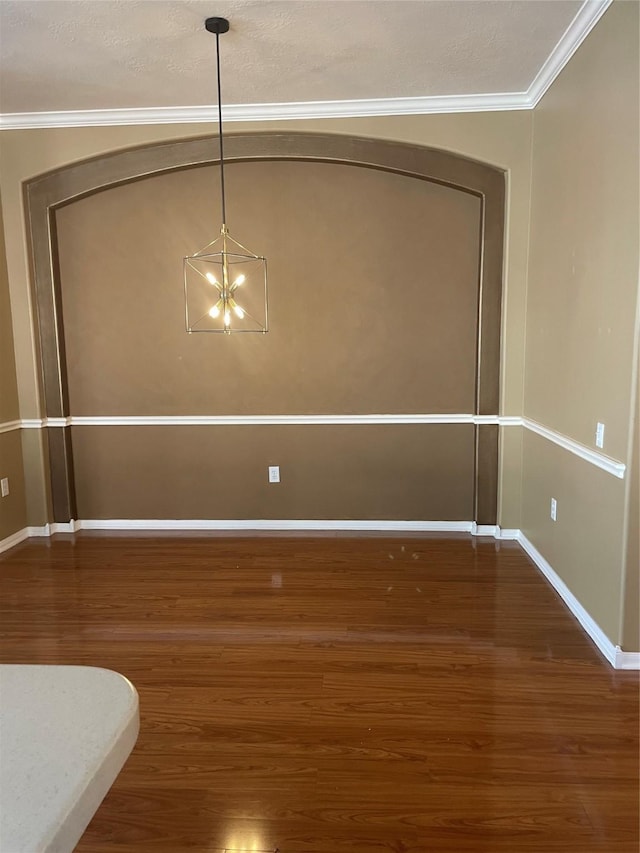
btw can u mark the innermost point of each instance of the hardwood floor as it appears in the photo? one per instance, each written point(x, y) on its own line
point(322, 695)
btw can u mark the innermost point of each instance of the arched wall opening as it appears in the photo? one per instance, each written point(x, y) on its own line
point(376, 391)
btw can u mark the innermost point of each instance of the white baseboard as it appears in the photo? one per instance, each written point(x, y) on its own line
point(590, 626)
point(44, 530)
point(485, 530)
point(274, 524)
point(65, 527)
point(626, 660)
point(508, 533)
point(618, 658)
point(54, 527)
point(15, 539)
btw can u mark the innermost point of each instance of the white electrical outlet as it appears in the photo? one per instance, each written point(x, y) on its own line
point(274, 473)
point(554, 509)
point(4, 486)
point(599, 435)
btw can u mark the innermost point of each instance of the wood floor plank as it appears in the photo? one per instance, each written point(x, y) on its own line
point(336, 694)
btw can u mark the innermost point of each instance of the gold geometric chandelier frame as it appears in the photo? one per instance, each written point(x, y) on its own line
point(215, 292)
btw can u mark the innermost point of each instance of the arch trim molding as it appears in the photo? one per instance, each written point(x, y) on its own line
point(45, 193)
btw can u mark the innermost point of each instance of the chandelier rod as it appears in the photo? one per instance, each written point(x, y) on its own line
point(217, 26)
point(222, 192)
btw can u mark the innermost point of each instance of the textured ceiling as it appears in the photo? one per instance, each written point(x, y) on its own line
point(113, 54)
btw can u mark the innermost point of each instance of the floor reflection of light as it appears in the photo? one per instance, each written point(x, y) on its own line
point(246, 840)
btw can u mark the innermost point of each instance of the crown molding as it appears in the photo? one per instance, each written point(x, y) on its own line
point(587, 17)
point(585, 20)
point(268, 112)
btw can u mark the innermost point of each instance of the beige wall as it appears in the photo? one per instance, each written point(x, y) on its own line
point(631, 595)
point(12, 507)
point(584, 546)
point(501, 139)
point(9, 405)
point(581, 308)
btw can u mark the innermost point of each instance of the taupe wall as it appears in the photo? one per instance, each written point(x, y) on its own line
point(345, 472)
point(372, 276)
point(501, 139)
point(581, 308)
point(12, 508)
point(631, 608)
point(9, 404)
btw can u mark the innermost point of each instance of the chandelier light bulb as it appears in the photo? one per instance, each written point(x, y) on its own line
point(240, 280)
point(238, 311)
point(214, 312)
point(211, 278)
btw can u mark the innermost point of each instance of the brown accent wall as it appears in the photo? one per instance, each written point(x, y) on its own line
point(402, 472)
point(374, 291)
point(373, 282)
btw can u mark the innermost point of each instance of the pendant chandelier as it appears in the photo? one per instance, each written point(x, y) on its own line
point(225, 284)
